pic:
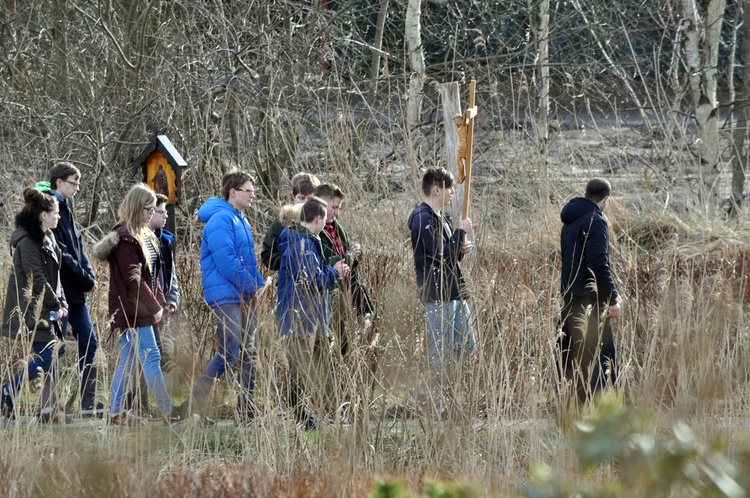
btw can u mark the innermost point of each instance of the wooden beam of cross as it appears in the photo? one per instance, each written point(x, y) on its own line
point(465, 123)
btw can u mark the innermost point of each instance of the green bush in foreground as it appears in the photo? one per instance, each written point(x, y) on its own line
point(619, 448)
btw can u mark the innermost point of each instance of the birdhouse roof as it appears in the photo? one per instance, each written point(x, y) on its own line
point(161, 144)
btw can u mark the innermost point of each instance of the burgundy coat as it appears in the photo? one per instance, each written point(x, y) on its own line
point(133, 301)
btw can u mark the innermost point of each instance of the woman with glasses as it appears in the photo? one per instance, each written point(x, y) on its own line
point(35, 300)
point(136, 301)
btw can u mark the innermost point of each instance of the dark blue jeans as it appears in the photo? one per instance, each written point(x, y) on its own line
point(236, 336)
point(83, 331)
point(44, 361)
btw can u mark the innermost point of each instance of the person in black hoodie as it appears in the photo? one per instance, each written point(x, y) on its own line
point(438, 250)
point(590, 299)
point(78, 280)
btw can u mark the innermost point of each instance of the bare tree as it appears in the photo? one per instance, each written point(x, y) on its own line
point(413, 31)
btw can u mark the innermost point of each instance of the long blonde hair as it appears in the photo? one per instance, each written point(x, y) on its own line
point(131, 212)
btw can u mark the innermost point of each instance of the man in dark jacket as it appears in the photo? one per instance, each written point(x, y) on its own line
point(77, 280)
point(438, 250)
point(590, 298)
point(350, 292)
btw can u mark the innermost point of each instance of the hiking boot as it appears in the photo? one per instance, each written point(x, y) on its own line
point(94, 411)
point(54, 416)
point(6, 406)
point(175, 417)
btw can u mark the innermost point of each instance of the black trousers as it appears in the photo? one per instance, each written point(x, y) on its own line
point(587, 360)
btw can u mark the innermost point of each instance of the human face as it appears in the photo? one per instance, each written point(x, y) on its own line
point(69, 186)
point(242, 197)
point(445, 195)
point(300, 198)
point(159, 219)
point(50, 218)
point(334, 205)
point(148, 212)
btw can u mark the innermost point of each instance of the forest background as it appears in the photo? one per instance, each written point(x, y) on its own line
point(651, 95)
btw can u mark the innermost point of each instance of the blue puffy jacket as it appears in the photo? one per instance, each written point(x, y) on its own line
point(230, 270)
point(305, 281)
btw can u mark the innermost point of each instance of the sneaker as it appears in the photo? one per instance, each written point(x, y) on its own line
point(94, 411)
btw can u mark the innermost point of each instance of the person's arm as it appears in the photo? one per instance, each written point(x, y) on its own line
point(33, 267)
point(597, 259)
point(221, 243)
point(81, 271)
point(137, 289)
point(173, 297)
point(270, 255)
point(429, 233)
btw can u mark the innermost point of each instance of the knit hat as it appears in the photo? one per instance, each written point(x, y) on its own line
point(43, 187)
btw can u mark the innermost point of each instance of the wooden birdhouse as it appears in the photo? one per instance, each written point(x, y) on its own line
point(161, 169)
point(161, 166)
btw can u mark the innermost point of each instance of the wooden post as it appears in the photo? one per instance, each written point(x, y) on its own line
point(469, 116)
point(451, 100)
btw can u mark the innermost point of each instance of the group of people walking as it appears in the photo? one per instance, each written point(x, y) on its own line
point(318, 289)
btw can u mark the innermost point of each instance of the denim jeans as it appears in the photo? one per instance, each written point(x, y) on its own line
point(236, 335)
point(449, 339)
point(44, 361)
point(139, 344)
point(83, 332)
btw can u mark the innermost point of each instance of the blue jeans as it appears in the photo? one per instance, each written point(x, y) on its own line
point(236, 335)
point(83, 331)
point(139, 344)
point(44, 361)
point(449, 339)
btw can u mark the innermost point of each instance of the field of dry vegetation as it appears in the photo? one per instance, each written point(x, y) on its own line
point(682, 339)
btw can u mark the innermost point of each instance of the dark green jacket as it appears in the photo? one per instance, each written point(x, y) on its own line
point(31, 286)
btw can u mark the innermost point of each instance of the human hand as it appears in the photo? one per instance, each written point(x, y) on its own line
point(62, 312)
point(465, 224)
point(342, 268)
point(170, 310)
point(467, 247)
point(157, 317)
point(355, 250)
point(614, 309)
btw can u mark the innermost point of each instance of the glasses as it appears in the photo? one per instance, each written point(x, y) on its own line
point(160, 212)
point(150, 210)
point(248, 190)
point(71, 182)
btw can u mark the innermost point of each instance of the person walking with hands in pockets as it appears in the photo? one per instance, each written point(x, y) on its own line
point(35, 300)
point(136, 301)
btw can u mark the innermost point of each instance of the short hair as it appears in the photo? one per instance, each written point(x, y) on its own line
point(131, 208)
point(328, 191)
point(436, 177)
point(312, 208)
point(161, 199)
point(304, 184)
point(62, 171)
point(234, 179)
point(597, 189)
point(35, 202)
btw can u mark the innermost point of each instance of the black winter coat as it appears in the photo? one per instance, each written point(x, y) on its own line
point(584, 242)
point(437, 253)
point(76, 273)
point(32, 284)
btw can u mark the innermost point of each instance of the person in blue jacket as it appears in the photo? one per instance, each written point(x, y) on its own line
point(303, 306)
point(590, 298)
point(230, 280)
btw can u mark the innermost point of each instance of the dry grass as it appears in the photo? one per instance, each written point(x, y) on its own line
point(683, 345)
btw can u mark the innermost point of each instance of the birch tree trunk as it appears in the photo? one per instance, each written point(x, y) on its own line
point(702, 31)
point(413, 32)
point(378, 48)
point(739, 132)
point(543, 127)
